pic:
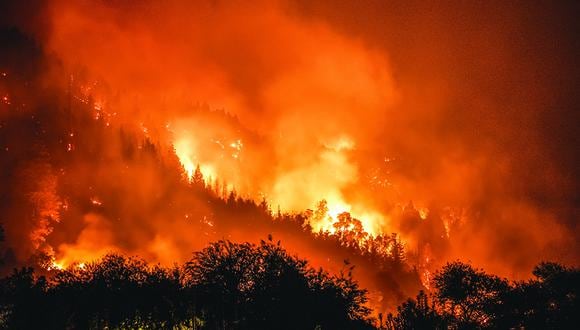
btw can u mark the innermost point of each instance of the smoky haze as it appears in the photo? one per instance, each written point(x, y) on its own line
point(467, 110)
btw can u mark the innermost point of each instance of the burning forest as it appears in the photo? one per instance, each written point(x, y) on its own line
point(288, 164)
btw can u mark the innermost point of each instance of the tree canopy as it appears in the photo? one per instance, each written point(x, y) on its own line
point(468, 298)
point(225, 286)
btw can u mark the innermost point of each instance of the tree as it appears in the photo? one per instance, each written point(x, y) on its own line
point(549, 301)
point(117, 292)
point(397, 250)
point(197, 178)
point(244, 286)
point(21, 296)
point(264, 207)
point(321, 212)
point(416, 314)
point(349, 229)
point(469, 297)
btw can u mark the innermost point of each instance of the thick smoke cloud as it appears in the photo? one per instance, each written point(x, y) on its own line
point(486, 118)
point(369, 105)
point(320, 90)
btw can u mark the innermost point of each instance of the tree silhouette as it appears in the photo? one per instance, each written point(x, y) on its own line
point(349, 229)
point(225, 286)
point(262, 287)
point(550, 301)
point(468, 298)
point(197, 178)
point(416, 313)
point(397, 250)
point(321, 212)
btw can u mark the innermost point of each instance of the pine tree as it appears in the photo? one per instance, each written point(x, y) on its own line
point(264, 206)
point(197, 179)
point(397, 249)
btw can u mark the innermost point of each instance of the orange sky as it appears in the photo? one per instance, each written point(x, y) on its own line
point(473, 105)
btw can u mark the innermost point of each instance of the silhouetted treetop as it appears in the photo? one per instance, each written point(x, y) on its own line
point(468, 298)
point(225, 286)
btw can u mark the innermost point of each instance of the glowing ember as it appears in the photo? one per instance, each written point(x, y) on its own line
point(95, 201)
point(237, 146)
point(426, 279)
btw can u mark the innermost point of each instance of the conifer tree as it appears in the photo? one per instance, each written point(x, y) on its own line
point(197, 179)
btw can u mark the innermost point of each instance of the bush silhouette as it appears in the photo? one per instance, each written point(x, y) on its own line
point(468, 298)
point(225, 286)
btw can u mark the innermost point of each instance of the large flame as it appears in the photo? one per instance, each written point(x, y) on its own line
point(453, 138)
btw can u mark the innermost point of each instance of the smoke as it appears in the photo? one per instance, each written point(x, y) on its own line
point(466, 110)
point(485, 118)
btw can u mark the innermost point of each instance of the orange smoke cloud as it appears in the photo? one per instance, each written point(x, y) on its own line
point(310, 104)
point(325, 104)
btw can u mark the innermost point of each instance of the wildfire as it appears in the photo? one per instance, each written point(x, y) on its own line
point(144, 129)
point(237, 146)
point(332, 164)
point(426, 279)
point(370, 221)
point(183, 151)
point(186, 149)
point(61, 265)
point(346, 124)
point(55, 265)
point(423, 212)
point(322, 179)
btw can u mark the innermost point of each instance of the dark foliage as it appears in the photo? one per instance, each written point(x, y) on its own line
point(225, 286)
point(417, 313)
point(468, 298)
point(54, 132)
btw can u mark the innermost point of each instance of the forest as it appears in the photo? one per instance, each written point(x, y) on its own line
point(245, 286)
point(301, 201)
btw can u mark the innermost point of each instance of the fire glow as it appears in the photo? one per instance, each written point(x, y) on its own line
point(161, 139)
point(331, 161)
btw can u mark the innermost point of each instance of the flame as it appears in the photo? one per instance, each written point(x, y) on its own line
point(372, 222)
point(297, 189)
point(184, 150)
point(94, 241)
point(62, 265)
point(423, 212)
point(208, 171)
point(334, 124)
point(323, 179)
point(56, 265)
